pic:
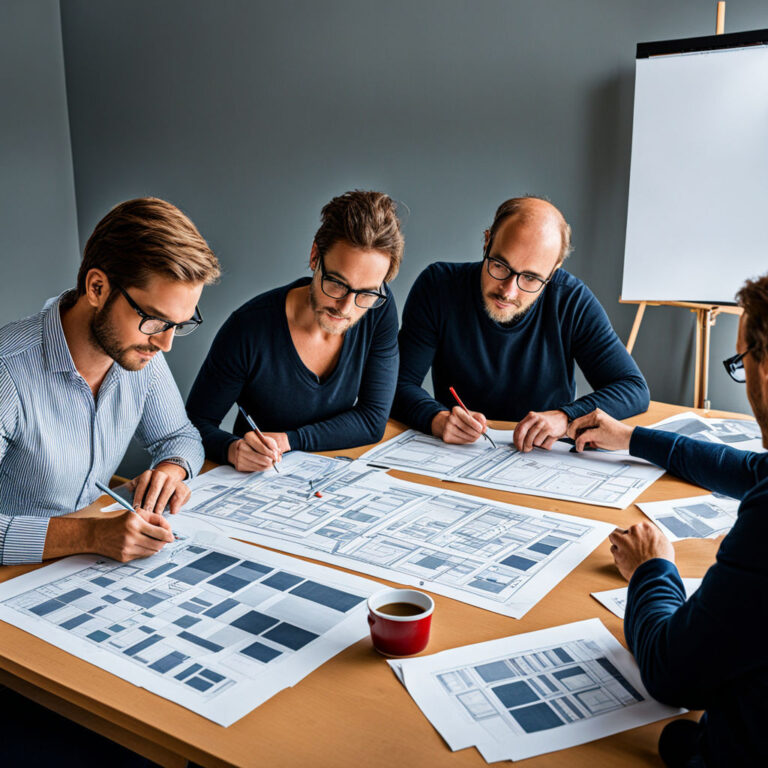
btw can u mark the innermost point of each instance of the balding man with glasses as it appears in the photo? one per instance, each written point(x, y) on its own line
point(707, 652)
point(312, 365)
point(506, 333)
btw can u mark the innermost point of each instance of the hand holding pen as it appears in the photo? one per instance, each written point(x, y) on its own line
point(256, 451)
point(460, 425)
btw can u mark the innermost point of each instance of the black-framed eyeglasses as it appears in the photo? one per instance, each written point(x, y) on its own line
point(151, 325)
point(735, 367)
point(334, 288)
point(526, 282)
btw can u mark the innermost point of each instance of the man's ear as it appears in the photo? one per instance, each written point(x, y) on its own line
point(486, 239)
point(97, 288)
point(314, 257)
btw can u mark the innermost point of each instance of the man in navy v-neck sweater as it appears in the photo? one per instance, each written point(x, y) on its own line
point(506, 333)
point(707, 652)
point(313, 363)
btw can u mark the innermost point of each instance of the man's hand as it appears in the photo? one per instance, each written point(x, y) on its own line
point(540, 430)
point(155, 488)
point(638, 544)
point(458, 426)
point(252, 454)
point(130, 535)
point(599, 430)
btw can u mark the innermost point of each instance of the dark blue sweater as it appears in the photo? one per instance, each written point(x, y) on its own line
point(709, 652)
point(507, 371)
point(253, 362)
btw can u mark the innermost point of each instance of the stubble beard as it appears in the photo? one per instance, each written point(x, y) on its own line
point(320, 311)
point(505, 316)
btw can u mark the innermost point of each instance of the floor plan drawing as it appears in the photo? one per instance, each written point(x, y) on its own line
point(699, 517)
point(608, 479)
point(497, 556)
point(743, 434)
point(529, 694)
point(615, 600)
point(214, 625)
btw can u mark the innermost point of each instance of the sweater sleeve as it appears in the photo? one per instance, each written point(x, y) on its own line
point(419, 337)
point(366, 420)
point(619, 387)
point(218, 386)
point(718, 468)
point(689, 651)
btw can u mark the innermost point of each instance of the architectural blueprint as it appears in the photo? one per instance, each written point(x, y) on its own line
point(607, 479)
point(743, 434)
point(615, 600)
point(501, 557)
point(534, 693)
point(699, 517)
point(214, 625)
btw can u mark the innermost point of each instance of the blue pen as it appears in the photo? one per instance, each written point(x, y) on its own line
point(252, 425)
point(122, 502)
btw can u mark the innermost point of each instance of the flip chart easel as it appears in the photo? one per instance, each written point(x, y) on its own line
point(706, 316)
point(706, 313)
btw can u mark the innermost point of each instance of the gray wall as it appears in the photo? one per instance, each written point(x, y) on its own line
point(38, 223)
point(250, 115)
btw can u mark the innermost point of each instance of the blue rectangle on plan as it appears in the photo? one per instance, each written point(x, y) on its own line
point(213, 562)
point(290, 636)
point(228, 583)
point(199, 684)
point(189, 575)
point(563, 655)
point(520, 563)
point(147, 600)
point(249, 565)
point(328, 596)
point(494, 670)
point(515, 694)
point(168, 662)
point(102, 581)
point(261, 652)
point(155, 572)
point(193, 607)
point(282, 580)
point(216, 611)
point(186, 621)
point(538, 717)
point(75, 621)
point(209, 674)
point(201, 641)
point(191, 669)
point(254, 622)
point(98, 636)
point(47, 607)
point(542, 548)
point(72, 595)
point(141, 645)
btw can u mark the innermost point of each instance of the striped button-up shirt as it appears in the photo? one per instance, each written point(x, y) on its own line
point(56, 440)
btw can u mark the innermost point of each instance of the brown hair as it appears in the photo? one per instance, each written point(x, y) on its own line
point(144, 237)
point(753, 296)
point(364, 220)
point(519, 206)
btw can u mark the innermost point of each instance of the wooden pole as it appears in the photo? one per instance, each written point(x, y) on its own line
point(720, 22)
point(636, 326)
point(704, 319)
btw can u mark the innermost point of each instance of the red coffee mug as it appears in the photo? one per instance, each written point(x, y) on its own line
point(400, 635)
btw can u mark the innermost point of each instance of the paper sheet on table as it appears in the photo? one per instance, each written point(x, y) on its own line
point(698, 517)
point(743, 434)
point(615, 600)
point(212, 624)
point(500, 557)
point(604, 478)
point(534, 693)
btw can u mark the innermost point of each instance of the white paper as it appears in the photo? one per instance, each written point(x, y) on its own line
point(615, 600)
point(699, 517)
point(602, 478)
point(534, 693)
point(500, 557)
point(743, 434)
point(240, 626)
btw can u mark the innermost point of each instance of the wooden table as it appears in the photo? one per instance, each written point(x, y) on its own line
point(352, 711)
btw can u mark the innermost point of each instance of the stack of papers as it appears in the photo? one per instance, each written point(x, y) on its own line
point(526, 695)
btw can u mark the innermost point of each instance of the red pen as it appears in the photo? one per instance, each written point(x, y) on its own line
point(458, 400)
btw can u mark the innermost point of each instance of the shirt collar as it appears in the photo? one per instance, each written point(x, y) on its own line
point(55, 348)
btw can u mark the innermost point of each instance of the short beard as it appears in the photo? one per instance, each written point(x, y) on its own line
point(320, 311)
point(105, 337)
point(504, 317)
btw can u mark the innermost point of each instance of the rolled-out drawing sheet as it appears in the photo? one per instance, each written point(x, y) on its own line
point(697, 517)
point(615, 600)
point(743, 434)
point(534, 693)
point(501, 557)
point(602, 478)
point(214, 625)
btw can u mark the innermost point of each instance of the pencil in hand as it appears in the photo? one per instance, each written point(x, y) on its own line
point(458, 400)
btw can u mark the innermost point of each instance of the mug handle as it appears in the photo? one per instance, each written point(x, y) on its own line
point(371, 620)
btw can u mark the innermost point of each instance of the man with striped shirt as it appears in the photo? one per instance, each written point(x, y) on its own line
point(82, 377)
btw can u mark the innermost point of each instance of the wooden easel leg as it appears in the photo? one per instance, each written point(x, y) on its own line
point(636, 326)
point(701, 378)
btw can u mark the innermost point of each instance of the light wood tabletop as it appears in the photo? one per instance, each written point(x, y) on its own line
point(352, 711)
